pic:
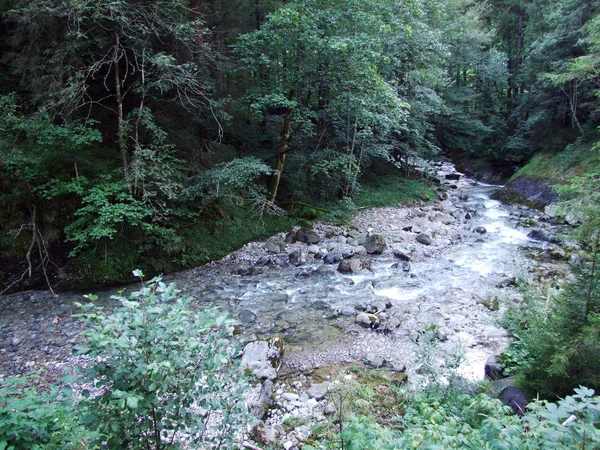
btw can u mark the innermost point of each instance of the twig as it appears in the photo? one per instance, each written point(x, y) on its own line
point(250, 446)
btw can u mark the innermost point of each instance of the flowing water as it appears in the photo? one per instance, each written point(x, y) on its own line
point(313, 307)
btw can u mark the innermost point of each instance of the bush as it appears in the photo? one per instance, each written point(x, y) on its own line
point(33, 420)
point(165, 373)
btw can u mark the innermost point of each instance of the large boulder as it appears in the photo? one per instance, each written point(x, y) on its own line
point(375, 244)
point(515, 398)
point(540, 234)
point(307, 236)
point(263, 358)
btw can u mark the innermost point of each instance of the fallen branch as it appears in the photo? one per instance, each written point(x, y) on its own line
point(250, 446)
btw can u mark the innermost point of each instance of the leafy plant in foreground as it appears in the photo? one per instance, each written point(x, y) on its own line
point(30, 420)
point(166, 373)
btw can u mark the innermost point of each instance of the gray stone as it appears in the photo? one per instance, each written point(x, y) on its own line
point(480, 230)
point(273, 247)
point(375, 244)
point(378, 306)
point(374, 360)
point(453, 176)
point(291, 238)
point(543, 235)
point(320, 305)
point(350, 266)
point(332, 258)
point(313, 249)
point(307, 236)
point(263, 358)
point(299, 257)
point(317, 391)
point(247, 316)
point(264, 434)
point(424, 239)
point(330, 409)
point(266, 396)
point(290, 396)
point(367, 320)
point(401, 255)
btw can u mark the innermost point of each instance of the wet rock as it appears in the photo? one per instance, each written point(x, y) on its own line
point(247, 316)
point(378, 306)
point(263, 358)
point(515, 398)
point(493, 369)
point(395, 321)
point(299, 257)
point(332, 258)
point(375, 244)
point(468, 216)
point(543, 235)
point(442, 196)
point(314, 249)
point(350, 266)
point(307, 236)
point(318, 391)
point(453, 176)
point(406, 267)
point(424, 239)
point(462, 196)
point(480, 230)
point(367, 320)
point(320, 305)
point(401, 255)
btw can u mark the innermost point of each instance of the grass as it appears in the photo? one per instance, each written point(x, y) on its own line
point(392, 190)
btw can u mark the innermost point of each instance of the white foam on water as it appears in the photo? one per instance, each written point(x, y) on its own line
point(397, 293)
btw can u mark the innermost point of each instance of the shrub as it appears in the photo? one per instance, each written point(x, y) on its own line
point(33, 420)
point(165, 373)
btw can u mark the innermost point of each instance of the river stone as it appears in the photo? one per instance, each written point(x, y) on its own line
point(330, 409)
point(453, 176)
point(395, 321)
point(507, 282)
point(462, 196)
point(350, 266)
point(442, 196)
point(424, 239)
point(401, 255)
point(332, 258)
point(307, 236)
point(320, 305)
point(264, 434)
point(374, 360)
point(298, 257)
point(317, 391)
point(367, 320)
point(480, 230)
point(493, 369)
point(313, 249)
point(291, 237)
point(247, 316)
point(378, 306)
point(263, 358)
point(468, 216)
point(375, 244)
point(290, 396)
point(542, 235)
point(272, 247)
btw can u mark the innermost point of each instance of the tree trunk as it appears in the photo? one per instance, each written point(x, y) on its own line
point(121, 126)
point(283, 147)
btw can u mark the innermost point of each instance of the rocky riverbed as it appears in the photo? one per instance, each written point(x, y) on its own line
point(360, 295)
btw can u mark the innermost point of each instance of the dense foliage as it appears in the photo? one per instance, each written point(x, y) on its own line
point(157, 374)
point(130, 127)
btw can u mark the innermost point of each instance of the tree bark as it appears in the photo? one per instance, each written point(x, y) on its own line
point(121, 126)
point(283, 147)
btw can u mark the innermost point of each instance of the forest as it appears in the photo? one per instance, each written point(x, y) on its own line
point(133, 131)
point(162, 135)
